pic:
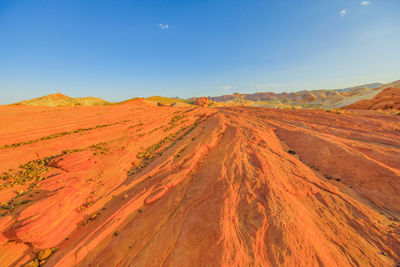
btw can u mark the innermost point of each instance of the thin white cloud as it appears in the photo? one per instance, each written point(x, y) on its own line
point(163, 26)
point(273, 85)
point(228, 87)
point(343, 13)
point(265, 85)
point(365, 3)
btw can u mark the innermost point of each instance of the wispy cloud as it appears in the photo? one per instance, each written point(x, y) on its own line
point(163, 26)
point(343, 13)
point(273, 85)
point(228, 87)
point(365, 3)
point(265, 85)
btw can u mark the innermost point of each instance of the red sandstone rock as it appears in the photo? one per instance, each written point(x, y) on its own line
point(202, 101)
point(220, 187)
point(389, 98)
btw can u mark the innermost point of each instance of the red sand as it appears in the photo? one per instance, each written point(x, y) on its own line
point(222, 191)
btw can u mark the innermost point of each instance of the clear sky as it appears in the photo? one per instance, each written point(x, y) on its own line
point(118, 49)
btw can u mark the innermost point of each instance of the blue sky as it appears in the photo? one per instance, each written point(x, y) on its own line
point(125, 48)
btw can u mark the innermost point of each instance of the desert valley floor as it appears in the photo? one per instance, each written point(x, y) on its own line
point(140, 185)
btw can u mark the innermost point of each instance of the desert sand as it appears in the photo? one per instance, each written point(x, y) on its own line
point(142, 185)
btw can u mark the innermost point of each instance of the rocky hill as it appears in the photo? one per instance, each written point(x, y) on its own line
point(59, 99)
point(388, 98)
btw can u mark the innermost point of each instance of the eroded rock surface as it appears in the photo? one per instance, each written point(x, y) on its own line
point(139, 185)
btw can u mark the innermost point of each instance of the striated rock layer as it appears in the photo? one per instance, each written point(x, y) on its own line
point(306, 98)
point(140, 185)
point(388, 98)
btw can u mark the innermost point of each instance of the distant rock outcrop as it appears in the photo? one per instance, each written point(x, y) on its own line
point(59, 99)
point(202, 101)
point(388, 98)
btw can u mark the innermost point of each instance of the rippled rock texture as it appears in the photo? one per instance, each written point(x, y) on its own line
point(140, 185)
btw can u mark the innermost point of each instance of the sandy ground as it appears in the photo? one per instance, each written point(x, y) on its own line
point(138, 185)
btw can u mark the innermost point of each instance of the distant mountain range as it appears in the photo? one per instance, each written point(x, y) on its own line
point(301, 99)
point(304, 99)
point(369, 86)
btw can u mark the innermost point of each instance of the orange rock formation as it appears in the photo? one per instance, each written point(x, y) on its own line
point(141, 185)
point(389, 98)
point(202, 101)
